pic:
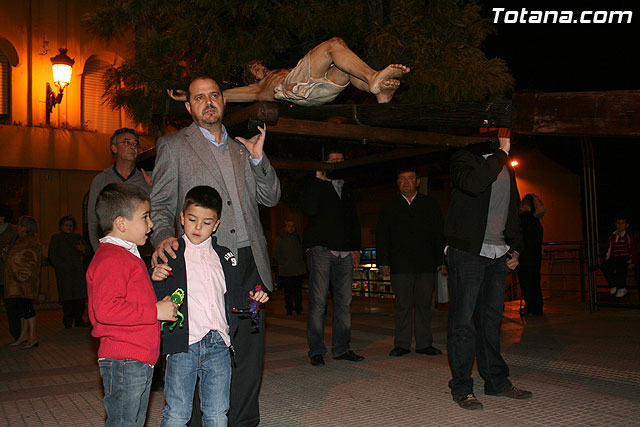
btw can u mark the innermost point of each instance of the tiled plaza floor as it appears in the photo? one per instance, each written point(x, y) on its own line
point(584, 370)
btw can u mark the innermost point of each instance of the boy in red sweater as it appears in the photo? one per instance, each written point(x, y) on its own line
point(123, 307)
point(621, 255)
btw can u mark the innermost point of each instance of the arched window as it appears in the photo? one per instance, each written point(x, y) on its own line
point(96, 114)
point(5, 85)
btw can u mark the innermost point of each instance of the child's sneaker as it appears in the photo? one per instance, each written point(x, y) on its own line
point(613, 290)
point(621, 292)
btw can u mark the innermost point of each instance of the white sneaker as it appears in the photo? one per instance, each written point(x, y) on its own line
point(621, 292)
point(613, 290)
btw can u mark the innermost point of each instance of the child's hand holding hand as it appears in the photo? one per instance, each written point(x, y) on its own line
point(260, 296)
point(161, 272)
point(167, 309)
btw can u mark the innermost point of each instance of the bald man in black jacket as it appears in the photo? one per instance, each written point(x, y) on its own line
point(409, 244)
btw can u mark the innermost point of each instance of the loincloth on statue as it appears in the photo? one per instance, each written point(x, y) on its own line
point(302, 89)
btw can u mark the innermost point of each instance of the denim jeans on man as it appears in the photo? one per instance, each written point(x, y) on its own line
point(210, 360)
point(127, 384)
point(324, 268)
point(476, 293)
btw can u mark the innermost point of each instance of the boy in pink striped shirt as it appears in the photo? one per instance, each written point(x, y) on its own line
point(202, 347)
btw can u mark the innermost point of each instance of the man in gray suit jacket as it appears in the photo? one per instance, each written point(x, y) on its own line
point(204, 154)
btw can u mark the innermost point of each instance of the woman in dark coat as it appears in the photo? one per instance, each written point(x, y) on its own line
point(66, 251)
point(531, 210)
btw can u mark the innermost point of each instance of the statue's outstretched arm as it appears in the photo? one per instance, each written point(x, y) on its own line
point(253, 92)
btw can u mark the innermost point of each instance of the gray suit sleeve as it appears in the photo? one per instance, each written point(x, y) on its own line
point(92, 218)
point(164, 193)
point(268, 191)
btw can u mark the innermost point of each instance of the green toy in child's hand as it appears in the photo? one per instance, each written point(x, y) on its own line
point(177, 297)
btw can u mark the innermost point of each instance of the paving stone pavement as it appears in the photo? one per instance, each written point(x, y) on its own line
point(583, 369)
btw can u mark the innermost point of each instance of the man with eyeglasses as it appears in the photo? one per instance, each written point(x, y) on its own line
point(124, 149)
point(125, 146)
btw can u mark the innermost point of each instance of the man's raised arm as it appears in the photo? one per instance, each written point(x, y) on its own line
point(268, 184)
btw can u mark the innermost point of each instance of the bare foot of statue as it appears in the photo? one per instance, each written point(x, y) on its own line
point(387, 88)
point(384, 84)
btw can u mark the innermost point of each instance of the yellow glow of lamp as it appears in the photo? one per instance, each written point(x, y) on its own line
point(61, 67)
point(514, 163)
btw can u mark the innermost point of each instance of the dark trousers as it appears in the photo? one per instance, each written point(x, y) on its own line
point(615, 271)
point(246, 373)
point(18, 308)
point(292, 292)
point(529, 278)
point(158, 369)
point(476, 293)
point(14, 312)
point(249, 350)
point(72, 310)
point(414, 293)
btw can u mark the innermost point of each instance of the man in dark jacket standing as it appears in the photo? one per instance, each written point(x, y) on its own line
point(332, 241)
point(409, 244)
point(288, 253)
point(483, 237)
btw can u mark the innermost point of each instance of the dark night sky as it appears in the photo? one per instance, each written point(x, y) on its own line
point(579, 57)
point(568, 57)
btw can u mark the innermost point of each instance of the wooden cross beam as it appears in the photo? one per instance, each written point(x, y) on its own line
point(612, 113)
point(615, 113)
point(268, 112)
point(453, 115)
point(370, 133)
point(387, 156)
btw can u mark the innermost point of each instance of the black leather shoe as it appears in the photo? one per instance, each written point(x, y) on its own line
point(399, 351)
point(350, 356)
point(514, 392)
point(431, 351)
point(469, 402)
point(317, 360)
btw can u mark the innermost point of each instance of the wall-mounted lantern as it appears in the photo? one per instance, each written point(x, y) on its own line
point(62, 66)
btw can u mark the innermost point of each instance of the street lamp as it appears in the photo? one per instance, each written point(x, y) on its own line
point(61, 65)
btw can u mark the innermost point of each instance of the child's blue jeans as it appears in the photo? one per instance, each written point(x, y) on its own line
point(210, 360)
point(127, 384)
